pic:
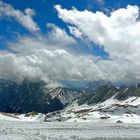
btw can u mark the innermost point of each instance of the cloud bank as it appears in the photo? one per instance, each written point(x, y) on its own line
point(48, 58)
point(47, 64)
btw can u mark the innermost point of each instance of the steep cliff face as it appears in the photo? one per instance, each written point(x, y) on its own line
point(64, 95)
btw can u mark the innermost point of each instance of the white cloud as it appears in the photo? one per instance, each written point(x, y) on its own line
point(59, 36)
point(74, 31)
point(12, 66)
point(38, 57)
point(49, 66)
point(118, 34)
point(30, 12)
point(48, 57)
point(24, 18)
point(111, 32)
point(56, 38)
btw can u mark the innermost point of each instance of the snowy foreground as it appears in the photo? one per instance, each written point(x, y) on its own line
point(109, 120)
point(13, 130)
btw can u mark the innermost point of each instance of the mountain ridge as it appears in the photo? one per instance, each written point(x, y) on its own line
point(66, 104)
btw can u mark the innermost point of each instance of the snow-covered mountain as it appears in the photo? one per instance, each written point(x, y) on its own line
point(28, 96)
point(109, 111)
point(97, 102)
point(64, 95)
point(106, 104)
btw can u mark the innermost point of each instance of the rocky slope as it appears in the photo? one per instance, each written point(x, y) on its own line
point(65, 95)
point(28, 96)
point(97, 102)
point(106, 104)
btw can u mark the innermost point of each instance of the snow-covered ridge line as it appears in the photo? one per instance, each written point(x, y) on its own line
point(109, 111)
point(103, 103)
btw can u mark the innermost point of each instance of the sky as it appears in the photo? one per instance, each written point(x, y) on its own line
point(76, 40)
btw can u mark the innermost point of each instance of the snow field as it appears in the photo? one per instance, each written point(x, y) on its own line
point(12, 130)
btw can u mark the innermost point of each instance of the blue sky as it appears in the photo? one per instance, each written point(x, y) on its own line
point(45, 13)
point(81, 40)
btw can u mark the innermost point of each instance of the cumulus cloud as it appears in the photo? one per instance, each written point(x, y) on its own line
point(111, 32)
point(47, 57)
point(57, 34)
point(49, 66)
point(39, 58)
point(59, 64)
point(118, 34)
point(35, 58)
point(57, 38)
point(12, 66)
point(24, 18)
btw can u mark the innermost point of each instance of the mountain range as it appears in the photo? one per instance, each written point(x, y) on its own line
point(97, 101)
